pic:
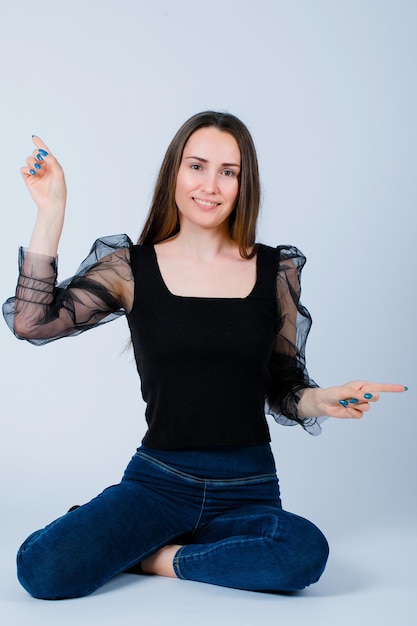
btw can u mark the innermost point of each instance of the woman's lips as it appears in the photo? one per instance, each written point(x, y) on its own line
point(205, 204)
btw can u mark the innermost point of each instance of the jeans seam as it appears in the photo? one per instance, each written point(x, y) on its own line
point(176, 563)
point(169, 469)
point(212, 481)
point(202, 507)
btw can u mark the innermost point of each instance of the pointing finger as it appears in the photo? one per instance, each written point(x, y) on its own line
point(383, 388)
point(40, 145)
point(367, 386)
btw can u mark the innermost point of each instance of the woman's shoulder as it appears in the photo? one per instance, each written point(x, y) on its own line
point(107, 249)
point(120, 244)
point(282, 252)
point(109, 243)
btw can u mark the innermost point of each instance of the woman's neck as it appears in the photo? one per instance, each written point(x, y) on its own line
point(204, 243)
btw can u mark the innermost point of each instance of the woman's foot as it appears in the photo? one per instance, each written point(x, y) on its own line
point(160, 563)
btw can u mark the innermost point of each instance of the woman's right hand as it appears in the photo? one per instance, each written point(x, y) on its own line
point(44, 178)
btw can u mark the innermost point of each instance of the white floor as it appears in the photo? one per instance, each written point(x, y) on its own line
point(370, 580)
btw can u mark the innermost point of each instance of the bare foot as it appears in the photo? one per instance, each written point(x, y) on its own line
point(160, 563)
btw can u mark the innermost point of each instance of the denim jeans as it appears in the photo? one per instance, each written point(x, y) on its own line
point(222, 505)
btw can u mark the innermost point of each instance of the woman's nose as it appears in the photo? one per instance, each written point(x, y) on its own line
point(210, 184)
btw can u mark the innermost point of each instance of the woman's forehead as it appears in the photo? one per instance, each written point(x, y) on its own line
point(211, 144)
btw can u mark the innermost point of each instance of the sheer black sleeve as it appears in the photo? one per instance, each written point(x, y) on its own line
point(288, 375)
point(100, 291)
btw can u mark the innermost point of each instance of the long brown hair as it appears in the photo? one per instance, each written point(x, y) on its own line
point(163, 222)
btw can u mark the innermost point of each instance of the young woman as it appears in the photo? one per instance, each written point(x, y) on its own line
point(218, 333)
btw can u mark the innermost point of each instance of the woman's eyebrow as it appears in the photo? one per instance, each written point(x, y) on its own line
point(196, 158)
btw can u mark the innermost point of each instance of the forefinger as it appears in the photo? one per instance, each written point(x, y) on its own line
point(39, 144)
point(383, 388)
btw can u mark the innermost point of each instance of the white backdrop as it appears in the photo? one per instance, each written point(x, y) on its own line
point(328, 90)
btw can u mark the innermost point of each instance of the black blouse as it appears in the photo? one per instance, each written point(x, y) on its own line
point(42, 311)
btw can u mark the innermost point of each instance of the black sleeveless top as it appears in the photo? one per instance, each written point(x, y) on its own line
point(202, 361)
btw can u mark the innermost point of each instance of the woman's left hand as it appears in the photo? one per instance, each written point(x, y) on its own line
point(353, 399)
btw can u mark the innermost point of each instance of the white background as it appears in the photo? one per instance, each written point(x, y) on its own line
point(329, 92)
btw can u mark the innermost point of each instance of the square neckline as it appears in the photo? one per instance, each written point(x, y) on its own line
point(212, 298)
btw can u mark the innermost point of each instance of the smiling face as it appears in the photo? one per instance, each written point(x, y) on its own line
point(208, 178)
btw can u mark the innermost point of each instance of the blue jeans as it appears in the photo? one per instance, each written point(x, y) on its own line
point(221, 504)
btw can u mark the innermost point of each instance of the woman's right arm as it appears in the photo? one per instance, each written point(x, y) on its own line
point(41, 310)
point(45, 181)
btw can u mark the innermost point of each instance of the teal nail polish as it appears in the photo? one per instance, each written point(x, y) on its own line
point(38, 156)
point(405, 388)
point(43, 152)
point(32, 172)
point(367, 396)
point(353, 400)
point(344, 403)
point(37, 166)
point(33, 136)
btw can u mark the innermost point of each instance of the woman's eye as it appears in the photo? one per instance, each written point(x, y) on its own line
point(228, 173)
point(196, 166)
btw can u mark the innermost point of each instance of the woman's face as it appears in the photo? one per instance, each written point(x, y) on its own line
point(208, 178)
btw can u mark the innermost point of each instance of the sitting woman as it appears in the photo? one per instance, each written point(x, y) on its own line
point(218, 333)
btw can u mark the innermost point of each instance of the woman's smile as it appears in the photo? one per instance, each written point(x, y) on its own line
point(205, 204)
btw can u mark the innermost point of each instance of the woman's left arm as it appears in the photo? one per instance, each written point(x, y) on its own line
point(294, 396)
point(350, 400)
point(288, 377)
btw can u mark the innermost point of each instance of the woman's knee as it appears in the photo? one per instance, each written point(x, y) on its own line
point(307, 552)
point(314, 556)
point(47, 572)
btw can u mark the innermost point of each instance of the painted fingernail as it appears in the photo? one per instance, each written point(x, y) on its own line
point(33, 136)
point(353, 400)
point(405, 388)
point(37, 166)
point(38, 156)
point(344, 402)
point(368, 396)
point(43, 152)
point(32, 172)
